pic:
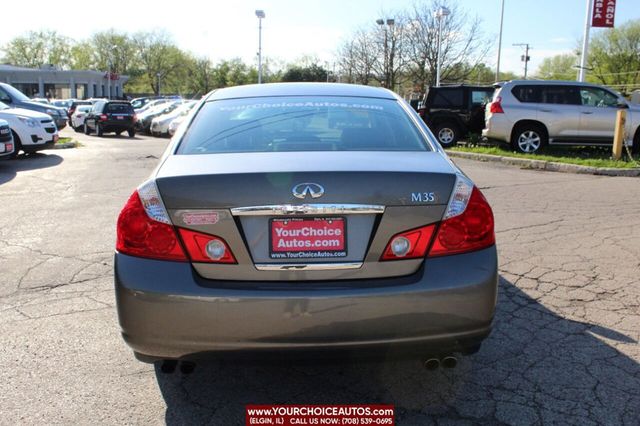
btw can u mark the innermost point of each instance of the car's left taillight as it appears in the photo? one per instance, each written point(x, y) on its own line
point(144, 228)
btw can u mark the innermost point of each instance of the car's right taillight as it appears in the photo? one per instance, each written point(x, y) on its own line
point(495, 107)
point(467, 223)
point(144, 228)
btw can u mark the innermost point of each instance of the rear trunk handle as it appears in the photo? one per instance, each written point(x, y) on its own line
point(311, 209)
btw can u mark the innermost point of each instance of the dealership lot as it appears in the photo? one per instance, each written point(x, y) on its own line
point(564, 347)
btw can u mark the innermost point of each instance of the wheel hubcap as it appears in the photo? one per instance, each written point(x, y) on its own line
point(445, 135)
point(529, 141)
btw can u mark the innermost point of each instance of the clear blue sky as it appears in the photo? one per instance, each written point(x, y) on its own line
point(293, 28)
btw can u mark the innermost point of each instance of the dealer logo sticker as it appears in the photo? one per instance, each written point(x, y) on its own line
point(200, 218)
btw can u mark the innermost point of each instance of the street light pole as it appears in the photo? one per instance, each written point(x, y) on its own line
point(388, 59)
point(440, 14)
point(260, 14)
point(585, 42)
point(500, 43)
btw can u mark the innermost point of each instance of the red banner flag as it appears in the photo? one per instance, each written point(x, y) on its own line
point(604, 13)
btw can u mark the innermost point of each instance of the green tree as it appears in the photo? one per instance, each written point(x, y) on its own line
point(614, 56)
point(37, 48)
point(558, 67)
point(309, 73)
point(160, 60)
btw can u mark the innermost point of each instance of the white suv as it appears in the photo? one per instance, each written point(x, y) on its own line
point(32, 131)
point(530, 114)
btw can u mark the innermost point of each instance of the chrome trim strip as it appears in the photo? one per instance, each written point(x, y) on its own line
point(307, 266)
point(311, 209)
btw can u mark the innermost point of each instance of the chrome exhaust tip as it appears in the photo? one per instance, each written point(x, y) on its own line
point(432, 364)
point(449, 361)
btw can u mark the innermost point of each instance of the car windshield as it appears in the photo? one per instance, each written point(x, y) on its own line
point(15, 93)
point(302, 124)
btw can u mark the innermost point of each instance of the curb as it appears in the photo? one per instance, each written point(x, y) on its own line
point(547, 165)
point(65, 145)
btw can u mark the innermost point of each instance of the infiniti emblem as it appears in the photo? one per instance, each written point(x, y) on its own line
point(301, 190)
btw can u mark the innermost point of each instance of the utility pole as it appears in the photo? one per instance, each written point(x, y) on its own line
point(585, 42)
point(525, 58)
point(500, 43)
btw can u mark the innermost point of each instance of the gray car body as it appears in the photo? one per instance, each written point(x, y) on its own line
point(181, 310)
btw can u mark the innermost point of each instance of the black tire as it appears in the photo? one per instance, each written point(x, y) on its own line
point(78, 129)
point(635, 148)
point(529, 138)
point(447, 134)
point(119, 132)
point(17, 145)
point(132, 133)
point(99, 131)
point(87, 131)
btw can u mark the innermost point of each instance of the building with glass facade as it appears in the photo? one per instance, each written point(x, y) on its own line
point(52, 83)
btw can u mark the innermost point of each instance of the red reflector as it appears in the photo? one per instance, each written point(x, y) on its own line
point(206, 248)
point(139, 235)
point(419, 240)
point(495, 106)
point(470, 231)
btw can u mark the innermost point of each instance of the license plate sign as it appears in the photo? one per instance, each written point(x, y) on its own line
point(307, 238)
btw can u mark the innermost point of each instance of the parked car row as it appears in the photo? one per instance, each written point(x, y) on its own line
point(530, 114)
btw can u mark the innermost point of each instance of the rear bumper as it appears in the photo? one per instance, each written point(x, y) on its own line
point(498, 128)
point(166, 312)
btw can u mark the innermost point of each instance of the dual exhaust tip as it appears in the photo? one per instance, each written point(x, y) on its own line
point(448, 361)
point(169, 366)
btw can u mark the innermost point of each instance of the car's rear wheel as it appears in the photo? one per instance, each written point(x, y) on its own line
point(132, 132)
point(86, 129)
point(529, 138)
point(78, 129)
point(447, 133)
point(99, 130)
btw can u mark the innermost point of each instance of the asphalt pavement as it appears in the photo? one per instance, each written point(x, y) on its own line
point(564, 348)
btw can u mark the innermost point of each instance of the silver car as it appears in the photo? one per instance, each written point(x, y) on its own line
point(305, 217)
point(530, 114)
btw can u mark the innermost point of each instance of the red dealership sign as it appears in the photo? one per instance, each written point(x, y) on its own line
point(604, 12)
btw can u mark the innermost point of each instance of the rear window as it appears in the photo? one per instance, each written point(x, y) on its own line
point(528, 94)
point(446, 98)
point(301, 123)
point(118, 109)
